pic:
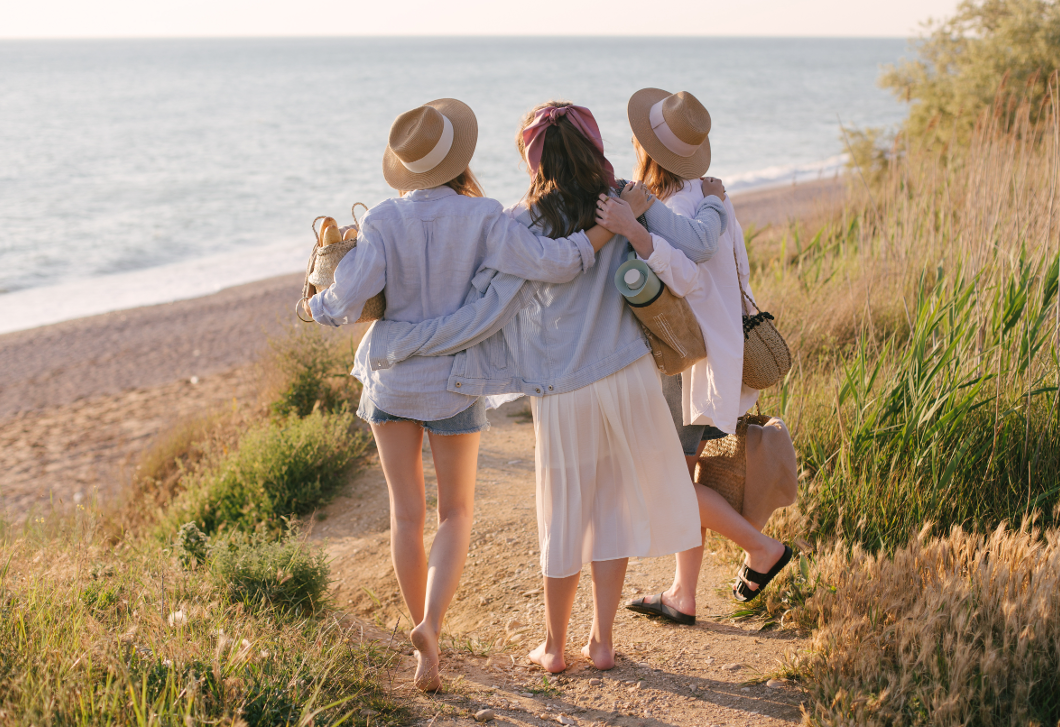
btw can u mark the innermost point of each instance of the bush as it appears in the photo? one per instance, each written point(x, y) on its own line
point(282, 468)
point(256, 571)
point(108, 648)
point(989, 47)
point(311, 369)
point(191, 545)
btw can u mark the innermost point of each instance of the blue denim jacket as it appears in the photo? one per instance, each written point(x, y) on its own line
point(539, 338)
point(428, 249)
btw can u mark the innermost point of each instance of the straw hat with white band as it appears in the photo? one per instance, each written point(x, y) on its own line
point(673, 129)
point(430, 145)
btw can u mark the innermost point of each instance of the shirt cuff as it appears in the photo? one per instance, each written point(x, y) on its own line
point(316, 307)
point(585, 249)
point(378, 347)
point(660, 255)
point(714, 202)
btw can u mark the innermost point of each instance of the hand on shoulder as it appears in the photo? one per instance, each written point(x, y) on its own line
point(714, 186)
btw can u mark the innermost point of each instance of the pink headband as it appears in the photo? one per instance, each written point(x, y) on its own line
point(581, 117)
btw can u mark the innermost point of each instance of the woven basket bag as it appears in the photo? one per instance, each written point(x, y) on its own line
point(723, 464)
point(766, 356)
point(320, 272)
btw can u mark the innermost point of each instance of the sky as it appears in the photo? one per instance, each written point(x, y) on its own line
point(250, 18)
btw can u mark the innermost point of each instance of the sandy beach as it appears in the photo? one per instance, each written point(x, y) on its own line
point(81, 399)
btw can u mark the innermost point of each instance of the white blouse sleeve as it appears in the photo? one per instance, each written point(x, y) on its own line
point(673, 267)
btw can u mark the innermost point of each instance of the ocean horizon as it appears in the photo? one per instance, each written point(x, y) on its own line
point(135, 172)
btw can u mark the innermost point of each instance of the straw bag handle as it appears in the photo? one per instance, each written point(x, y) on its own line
point(353, 213)
point(740, 283)
point(298, 307)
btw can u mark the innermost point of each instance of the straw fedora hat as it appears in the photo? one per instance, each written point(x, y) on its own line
point(672, 128)
point(430, 145)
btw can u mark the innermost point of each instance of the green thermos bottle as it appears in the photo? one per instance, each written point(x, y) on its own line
point(637, 282)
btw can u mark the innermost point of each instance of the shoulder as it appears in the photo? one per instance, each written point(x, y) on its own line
point(685, 201)
point(486, 206)
point(517, 211)
point(385, 210)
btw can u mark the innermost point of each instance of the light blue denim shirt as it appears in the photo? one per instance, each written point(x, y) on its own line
point(555, 337)
point(426, 249)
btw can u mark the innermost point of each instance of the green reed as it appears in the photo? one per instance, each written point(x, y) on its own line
point(926, 317)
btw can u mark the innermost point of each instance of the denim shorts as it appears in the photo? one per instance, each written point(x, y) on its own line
point(471, 420)
point(692, 434)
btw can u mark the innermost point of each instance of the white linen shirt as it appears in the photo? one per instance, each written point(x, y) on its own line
point(712, 390)
point(427, 250)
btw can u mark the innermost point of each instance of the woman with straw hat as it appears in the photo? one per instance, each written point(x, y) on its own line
point(610, 481)
point(670, 135)
point(425, 248)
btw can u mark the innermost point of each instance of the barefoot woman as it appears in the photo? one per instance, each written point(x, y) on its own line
point(425, 248)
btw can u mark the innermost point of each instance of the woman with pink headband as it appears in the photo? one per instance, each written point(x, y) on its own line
point(611, 483)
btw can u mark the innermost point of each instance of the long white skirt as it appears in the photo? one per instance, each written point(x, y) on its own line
point(611, 475)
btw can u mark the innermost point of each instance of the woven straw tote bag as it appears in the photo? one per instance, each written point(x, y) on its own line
point(766, 356)
point(320, 272)
point(723, 464)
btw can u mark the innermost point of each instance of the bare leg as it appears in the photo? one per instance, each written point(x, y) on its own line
point(716, 514)
point(682, 594)
point(559, 601)
point(608, 576)
point(456, 464)
point(400, 454)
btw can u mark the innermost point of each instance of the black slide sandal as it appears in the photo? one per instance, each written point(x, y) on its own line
point(743, 593)
point(660, 609)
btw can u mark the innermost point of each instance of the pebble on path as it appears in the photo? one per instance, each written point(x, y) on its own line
point(484, 715)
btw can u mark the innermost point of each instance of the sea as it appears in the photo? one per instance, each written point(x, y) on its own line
point(138, 172)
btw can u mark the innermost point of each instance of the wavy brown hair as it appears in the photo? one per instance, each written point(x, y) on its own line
point(662, 182)
point(564, 191)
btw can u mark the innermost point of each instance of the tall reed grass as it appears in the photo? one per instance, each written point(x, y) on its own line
point(925, 317)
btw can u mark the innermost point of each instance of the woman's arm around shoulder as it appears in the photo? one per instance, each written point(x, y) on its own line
point(697, 237)
point(514, 249)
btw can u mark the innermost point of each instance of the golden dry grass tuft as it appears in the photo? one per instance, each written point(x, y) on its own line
point(955, 630)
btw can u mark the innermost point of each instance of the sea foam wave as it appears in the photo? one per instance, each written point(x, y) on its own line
point(41, 306)
point(786, 174)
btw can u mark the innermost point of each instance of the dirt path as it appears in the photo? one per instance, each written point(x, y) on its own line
point(710, 674)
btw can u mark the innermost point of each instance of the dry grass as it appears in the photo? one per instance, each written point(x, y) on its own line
point(95, 635)
point(924, 321)
point(925, 405)
point(955, 630)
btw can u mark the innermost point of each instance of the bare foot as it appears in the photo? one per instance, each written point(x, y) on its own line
point(602, 657)
point(763, 560)
point(428, 678)
point(551, 661)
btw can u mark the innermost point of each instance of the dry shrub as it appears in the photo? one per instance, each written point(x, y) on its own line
point(955, 630)
point(157, 479)
point(309, 367)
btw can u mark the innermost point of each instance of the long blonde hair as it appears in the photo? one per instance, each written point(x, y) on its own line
point(662, 182)
point(465, 183)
